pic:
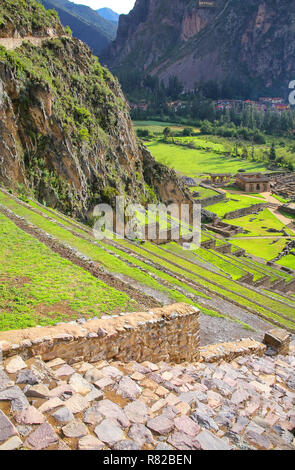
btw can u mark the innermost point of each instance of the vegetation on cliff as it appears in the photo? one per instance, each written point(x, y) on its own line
point(66, 131)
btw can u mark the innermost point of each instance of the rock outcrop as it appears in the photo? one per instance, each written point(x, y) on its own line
point(65, 129)
point(247, 42)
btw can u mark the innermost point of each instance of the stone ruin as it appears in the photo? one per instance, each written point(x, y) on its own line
point(141, 382)
point(284, 186)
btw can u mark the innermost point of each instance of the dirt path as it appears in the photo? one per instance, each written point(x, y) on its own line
point(269, 198)
point(14, 43)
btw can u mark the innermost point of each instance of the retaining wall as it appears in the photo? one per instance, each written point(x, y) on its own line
point(245, 211)
point(167, 334)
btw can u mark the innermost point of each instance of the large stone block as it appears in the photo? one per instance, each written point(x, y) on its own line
point(277, 341)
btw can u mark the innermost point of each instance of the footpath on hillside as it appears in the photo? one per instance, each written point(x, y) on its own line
point(14, 43)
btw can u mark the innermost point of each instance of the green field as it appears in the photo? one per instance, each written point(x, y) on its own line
point(257, 225)
point(284, 148)
point(287, 261)
point(204, 192)
point(199, 162)
point(234, 202)
point(266, 248)
point(38, 287)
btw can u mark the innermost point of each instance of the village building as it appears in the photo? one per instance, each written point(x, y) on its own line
point(253, 182)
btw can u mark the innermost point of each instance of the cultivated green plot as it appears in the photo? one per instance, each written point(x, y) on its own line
point(261, 225)
point(107, 260)
point(287, 261)
point(220, 284)
point(37, 286)
point(196, 162)
point(207, 256)
point(188, 272)
point(234, 202)
point(266, 248)
point(204, 192)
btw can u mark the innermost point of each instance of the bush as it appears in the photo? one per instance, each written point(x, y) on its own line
point(143, 133)
point(187, 132)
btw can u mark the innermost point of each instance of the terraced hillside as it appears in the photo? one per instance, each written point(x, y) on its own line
point(237, 296)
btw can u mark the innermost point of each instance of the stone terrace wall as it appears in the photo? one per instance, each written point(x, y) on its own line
point(245, 211)
point(209, 201)
point(168, 334)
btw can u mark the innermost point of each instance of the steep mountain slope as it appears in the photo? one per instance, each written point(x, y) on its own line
point(85, 23)
point(65, 130)
point(109, 14)
point(245, 41)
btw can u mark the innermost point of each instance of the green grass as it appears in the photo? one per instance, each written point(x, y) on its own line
point(224, 285)
point(37, 286)
point(156, 127)
point(266, 248)
point(280, 198)
point(245, 269)
point(204, 192)
point(257, 225)
point(98, 254)
point(218, 261)
point(199, 275)
point(280, 297)
point(287, 261)
point(269, 270)
point(259, 270)
point(197, 162)
point(234, 203)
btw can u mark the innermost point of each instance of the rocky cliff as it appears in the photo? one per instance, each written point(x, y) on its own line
point(249, 41)
point(65, 130)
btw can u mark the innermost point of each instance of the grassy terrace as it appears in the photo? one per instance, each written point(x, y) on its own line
point(62, 219)
point(108, 261)
point(258, 269)
point(204, 192)
point(234, 203)
point(209, 256)
point(246, 269)
point(257, 225)
point(223, 287)
point(275, 273)
point(38, 287)
point(266, 248)
point(287, 261)
point(205, 158)
point(280, 297)
point(198, 274)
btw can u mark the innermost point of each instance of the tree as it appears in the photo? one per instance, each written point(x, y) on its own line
point(167, 132)
point(272, 153)
point(187, 131)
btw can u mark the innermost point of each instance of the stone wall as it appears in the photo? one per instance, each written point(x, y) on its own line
point(209, 201)
point(288, 208)
point(230, 351)
point(246, 211)
point(167, 334)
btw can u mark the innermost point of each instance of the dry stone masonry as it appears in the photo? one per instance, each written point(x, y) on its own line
point(246, 403)
point(141, 381)
point(169, 334)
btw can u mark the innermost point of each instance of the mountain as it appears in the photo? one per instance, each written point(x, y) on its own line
point(65, 130)
point(85, 23)
point(109, 14)
point(233, 40)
